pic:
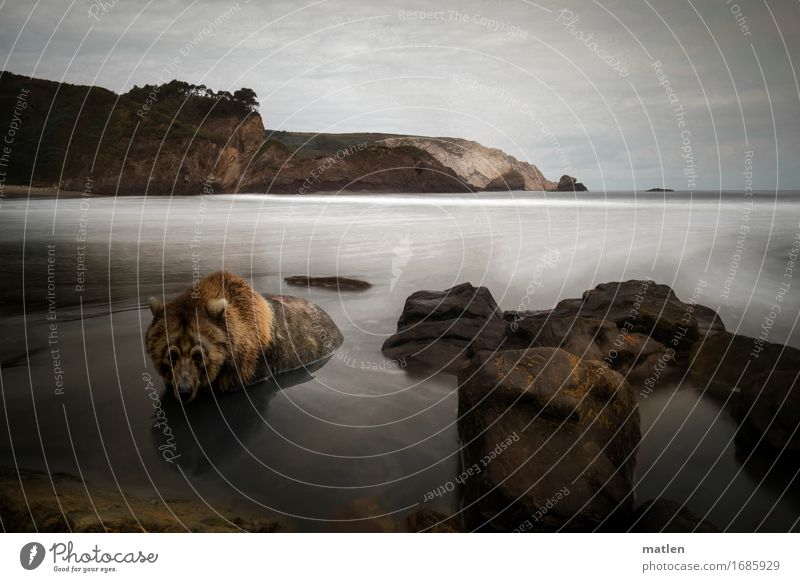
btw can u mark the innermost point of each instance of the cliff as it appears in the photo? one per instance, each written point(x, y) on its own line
point(179, 138)
point(479, 167)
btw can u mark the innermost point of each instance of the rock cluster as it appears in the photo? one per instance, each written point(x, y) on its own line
point(637, 328)
point(562, 385)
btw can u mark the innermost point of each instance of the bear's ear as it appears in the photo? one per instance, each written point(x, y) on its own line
point(216, 307)
point(156, 306)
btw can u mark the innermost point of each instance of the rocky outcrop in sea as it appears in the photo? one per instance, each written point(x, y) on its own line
point(548, 414)
point(570, 184)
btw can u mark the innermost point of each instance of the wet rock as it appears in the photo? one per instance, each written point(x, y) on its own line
point(665, 516)
point(570, 184)
point(638, 328)
point(759, 380)
point(71, 509)
point(427, 520)
point(437, 327)
point(461, 301)
point(647, 308)
point(723, 359)
point(340, 283)
point(543, 425)
point(632, 354)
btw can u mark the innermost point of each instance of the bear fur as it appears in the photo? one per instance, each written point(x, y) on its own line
point(222, 334)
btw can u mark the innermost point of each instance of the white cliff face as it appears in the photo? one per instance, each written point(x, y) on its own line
point(478, 166)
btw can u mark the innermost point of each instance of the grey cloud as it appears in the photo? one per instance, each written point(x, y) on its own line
point(492, 71)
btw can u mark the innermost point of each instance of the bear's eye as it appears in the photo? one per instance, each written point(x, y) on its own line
point(174, 355)
point(198, 356)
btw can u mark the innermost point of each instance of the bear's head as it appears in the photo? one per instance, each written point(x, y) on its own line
point(187, 343)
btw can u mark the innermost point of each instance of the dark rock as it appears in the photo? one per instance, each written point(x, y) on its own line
point(665, 516)
point(660, 190)
point(544, 419)
point(59, 502)
point(443, 344)
point(340, 283)
point(633, 354)
point(638, 328)
point(759, 380)
point(463, 300)
point(647, 308)
point(570, 184)
point(722, 359)
point(437, 327)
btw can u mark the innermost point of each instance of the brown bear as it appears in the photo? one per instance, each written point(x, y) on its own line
point(221, 333)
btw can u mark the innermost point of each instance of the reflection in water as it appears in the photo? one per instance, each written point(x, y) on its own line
point(207, 436)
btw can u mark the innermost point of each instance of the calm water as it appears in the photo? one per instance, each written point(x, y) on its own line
point(360, 437)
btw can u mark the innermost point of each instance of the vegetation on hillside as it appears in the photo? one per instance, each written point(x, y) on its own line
point(70, 130)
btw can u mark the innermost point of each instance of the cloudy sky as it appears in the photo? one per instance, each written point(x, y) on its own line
point(618, 93)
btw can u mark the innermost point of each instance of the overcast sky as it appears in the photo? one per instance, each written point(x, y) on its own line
point(571, 87)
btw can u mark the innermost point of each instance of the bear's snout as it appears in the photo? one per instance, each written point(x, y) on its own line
point(185, 392)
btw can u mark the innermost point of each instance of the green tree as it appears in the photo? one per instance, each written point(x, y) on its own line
point(247, 98)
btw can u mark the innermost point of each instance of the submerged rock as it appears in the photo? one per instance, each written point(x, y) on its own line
point(59, 502)
point(553, 438)
point(340, 283)
point(759, 380)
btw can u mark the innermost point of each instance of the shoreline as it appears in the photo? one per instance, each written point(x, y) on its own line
point(15, 192)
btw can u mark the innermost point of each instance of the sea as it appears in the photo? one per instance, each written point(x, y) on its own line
point(364, 441)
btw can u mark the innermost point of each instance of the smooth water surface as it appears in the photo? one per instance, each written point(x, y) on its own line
point(360, 436)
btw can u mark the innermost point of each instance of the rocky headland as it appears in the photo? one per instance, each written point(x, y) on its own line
point(179, 138)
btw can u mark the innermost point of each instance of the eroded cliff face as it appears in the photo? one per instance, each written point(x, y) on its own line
point(305, 163)
point(481, 168)
point(158, 144)
point(212, 161)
